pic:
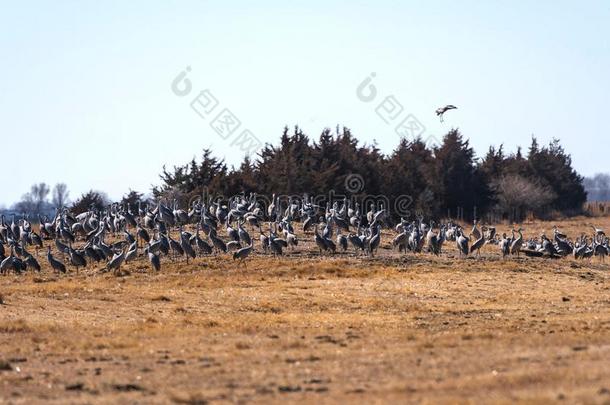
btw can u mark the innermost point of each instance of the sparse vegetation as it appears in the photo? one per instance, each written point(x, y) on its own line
point(345, 328)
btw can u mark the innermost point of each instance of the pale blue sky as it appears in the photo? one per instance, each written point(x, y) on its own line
point(85, 94)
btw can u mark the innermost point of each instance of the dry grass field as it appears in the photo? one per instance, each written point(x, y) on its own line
point(304, 328)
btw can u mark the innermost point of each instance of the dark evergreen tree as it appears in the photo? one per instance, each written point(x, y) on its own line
point(439, 180)
point(131, 200)
point(553, 167)
point(96, 200)
point(456, 180)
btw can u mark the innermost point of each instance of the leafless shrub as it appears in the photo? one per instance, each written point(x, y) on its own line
point(598, 187)
point(173, 193)
point(60, 195)
point(517, 196)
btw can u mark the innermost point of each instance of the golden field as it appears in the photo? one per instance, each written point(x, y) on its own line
point(308, 328)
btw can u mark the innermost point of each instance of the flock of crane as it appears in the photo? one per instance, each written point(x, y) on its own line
point(117, 235)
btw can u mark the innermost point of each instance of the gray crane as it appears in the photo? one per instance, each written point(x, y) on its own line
point(516, 244)
point(400, 241)
point(243, 253)
point(175, 246)
point(461, 242)
point(356, 242)
point(154, 260)
point(477, 245)
point(232, 233)
point(55, 264)
point(218, 243)
point(291, 239)
point(203, 246)
point(116, 262)
point(244, 236)
point(442, 110)
point(132, 252)
point(76, 259)
point(187, 248)
point(275, 245)
point(600, 250)
point(374, 240)
point(7, 263)
point(475, 233)
point(341, 240)
point(598, 231)
point(505, 245)
point(31, 262)
point(320, 242)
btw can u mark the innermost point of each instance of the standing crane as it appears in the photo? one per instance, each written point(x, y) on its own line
point(55, 264)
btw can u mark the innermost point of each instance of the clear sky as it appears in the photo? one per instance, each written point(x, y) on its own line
point(86, 86)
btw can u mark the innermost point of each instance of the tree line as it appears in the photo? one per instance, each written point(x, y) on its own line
point(446, 180)
point(36, 201)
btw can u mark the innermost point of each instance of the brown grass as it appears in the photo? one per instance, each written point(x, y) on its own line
point(394, 328)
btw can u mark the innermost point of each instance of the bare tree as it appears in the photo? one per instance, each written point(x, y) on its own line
point(34, 202)
point(60, 195)
point(517, 195)
point(598, 187)
point(39, 194)
point(173, 193)
point(26, 205)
